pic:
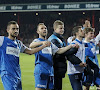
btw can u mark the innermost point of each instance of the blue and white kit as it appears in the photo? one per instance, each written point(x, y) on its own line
point(9, 63)
point(92, 46)
point(72, 69)
point(44, 74)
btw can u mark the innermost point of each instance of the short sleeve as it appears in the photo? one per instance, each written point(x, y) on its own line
point(1, 40)
point(69, 40)
point(54, 48)
point(36, 40)
point(23, 47)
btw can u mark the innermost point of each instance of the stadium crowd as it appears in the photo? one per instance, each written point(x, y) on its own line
point(28, 22)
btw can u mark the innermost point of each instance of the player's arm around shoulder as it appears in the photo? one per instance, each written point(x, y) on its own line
point(34, 47)
point(64, 49)
point(36, 43)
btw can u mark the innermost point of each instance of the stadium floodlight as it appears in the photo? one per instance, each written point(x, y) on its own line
point(83, 12)
point(59, 13)
point(14, 14)
point(37, 14)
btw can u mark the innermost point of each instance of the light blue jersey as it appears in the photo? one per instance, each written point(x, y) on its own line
point(92, 47)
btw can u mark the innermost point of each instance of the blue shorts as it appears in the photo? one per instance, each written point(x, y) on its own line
point(42, 78)
point(97, 81)
point(76, 81)
point(11, 83)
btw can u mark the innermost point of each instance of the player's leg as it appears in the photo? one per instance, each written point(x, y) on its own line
point(98, 87)
point(6, 82)
point(50, 84)
point(97, 81)
point(19, 85)
point(11, 83)
point(41, 79)
point(87, 83)
point(44, 84)
point(75, 81)
point(86, 87)
point(40, 89)
point(57, 83)
point(39, 83)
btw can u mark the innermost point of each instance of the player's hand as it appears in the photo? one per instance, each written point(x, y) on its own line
point(82, 64)
point(73, 38)
point(46, 43)
point(87, 23)
point(87, 57)
point(75, 46)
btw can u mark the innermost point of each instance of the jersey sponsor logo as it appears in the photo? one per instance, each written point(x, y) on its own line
point(13, 51)
point(41, 85)
point(47, 50)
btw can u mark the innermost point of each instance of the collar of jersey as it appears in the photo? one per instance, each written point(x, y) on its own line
point(78, 41)
point(11, 39)
point(41, 39)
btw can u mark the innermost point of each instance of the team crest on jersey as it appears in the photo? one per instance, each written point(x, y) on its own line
point(13, 51)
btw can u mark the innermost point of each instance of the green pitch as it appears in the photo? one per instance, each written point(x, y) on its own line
point(27, 69)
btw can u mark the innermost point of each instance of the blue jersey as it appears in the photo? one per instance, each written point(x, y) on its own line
point(92, 47)
point(9, 58)
point(44, 56)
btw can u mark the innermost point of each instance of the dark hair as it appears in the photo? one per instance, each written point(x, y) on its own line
point(86, 30)
point(76, 29)
point(11, 22)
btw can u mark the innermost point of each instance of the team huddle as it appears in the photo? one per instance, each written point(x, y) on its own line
point(51, 57)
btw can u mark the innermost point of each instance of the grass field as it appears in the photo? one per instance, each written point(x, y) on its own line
point(27, 69)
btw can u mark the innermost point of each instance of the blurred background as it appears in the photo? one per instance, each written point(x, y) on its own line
point(29, 13)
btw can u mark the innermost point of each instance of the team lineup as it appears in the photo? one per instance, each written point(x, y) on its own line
point(51, 55)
